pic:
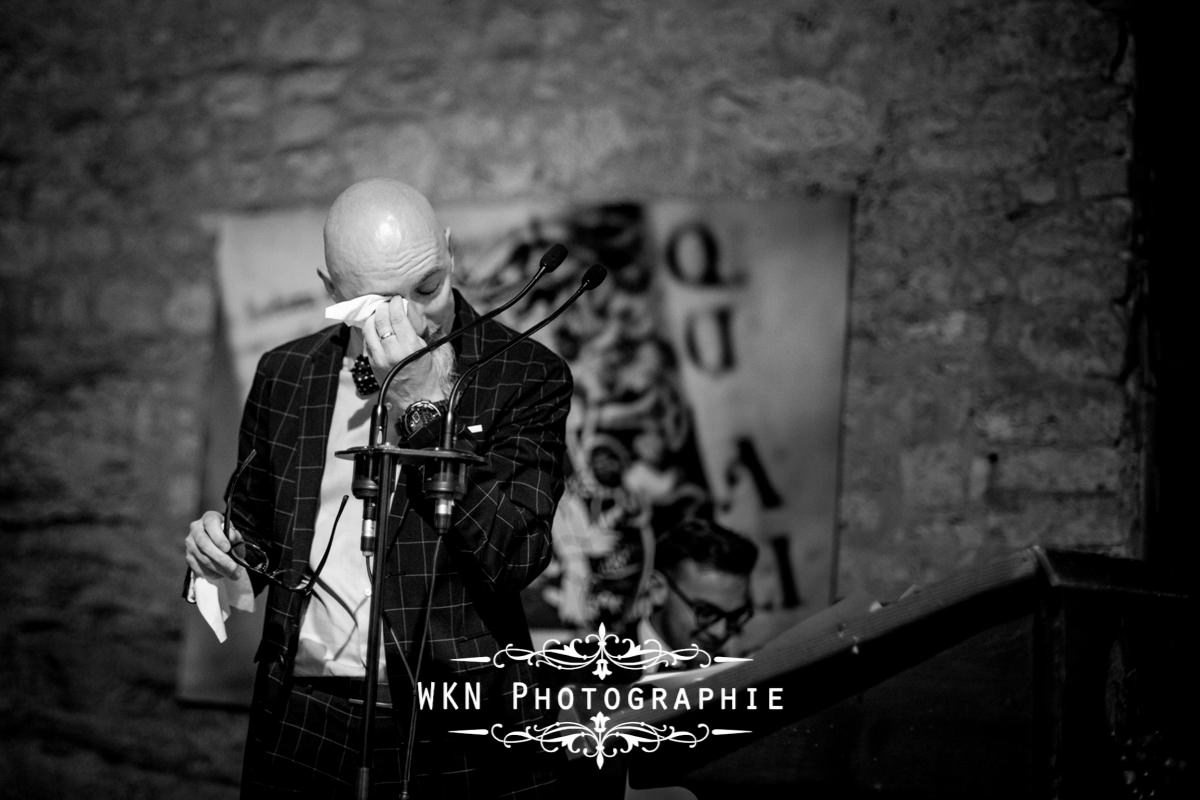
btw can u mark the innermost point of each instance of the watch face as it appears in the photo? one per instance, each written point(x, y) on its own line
point(420, 414)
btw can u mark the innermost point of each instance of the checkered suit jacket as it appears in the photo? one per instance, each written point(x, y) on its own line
point(500, 535)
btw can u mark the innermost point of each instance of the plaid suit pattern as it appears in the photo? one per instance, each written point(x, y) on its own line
point(500, 535)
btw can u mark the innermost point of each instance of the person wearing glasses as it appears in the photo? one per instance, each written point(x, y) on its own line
point(699, 591)
point(444, 598)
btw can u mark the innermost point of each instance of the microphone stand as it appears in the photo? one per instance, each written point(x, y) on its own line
point(381, 460)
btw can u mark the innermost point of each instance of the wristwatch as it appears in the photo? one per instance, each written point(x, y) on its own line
point(420, 414)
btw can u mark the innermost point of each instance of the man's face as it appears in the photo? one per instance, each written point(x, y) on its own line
point(693, 593)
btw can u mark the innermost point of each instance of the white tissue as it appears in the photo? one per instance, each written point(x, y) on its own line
point(215, 599)
point(357, 311)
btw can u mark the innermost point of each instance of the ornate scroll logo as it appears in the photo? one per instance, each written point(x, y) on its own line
point(599, 741)
point(602, 649)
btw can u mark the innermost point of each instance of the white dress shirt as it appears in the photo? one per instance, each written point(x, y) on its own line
point(333, 633)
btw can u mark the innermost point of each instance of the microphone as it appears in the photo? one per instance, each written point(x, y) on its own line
point(448, 483)
point(365, 486)
point(365, 482)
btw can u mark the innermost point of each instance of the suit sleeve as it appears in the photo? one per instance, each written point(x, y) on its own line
point(504, 518)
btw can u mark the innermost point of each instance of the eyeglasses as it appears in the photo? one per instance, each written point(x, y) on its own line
point(253, 558)
point(708, 615)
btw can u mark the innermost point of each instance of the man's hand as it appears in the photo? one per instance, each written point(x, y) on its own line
point(391, 336)
point(206, 548)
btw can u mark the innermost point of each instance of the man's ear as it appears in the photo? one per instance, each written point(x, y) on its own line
point(327, 283)
point(656, 589)
point(450, 248)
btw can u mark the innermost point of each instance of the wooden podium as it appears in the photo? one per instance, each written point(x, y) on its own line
point(1043, 675)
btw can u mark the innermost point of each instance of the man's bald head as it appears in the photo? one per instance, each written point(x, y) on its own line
point(378, 232)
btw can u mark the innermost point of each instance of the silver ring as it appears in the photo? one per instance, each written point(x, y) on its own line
point(386, 335)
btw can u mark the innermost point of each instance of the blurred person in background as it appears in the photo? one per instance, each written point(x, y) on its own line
point(699, 590)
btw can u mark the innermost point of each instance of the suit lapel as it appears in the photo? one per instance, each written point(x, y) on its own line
point(320, 381)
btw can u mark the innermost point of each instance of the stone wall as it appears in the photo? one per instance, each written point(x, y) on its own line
point(986, 143)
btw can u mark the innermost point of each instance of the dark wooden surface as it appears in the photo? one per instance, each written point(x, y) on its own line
point(1060, 676)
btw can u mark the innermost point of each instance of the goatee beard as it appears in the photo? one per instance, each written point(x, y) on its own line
point(443, 367)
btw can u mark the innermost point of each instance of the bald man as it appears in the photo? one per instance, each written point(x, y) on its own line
point(307, 401)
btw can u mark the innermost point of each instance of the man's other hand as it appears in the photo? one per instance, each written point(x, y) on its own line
point(207, 550)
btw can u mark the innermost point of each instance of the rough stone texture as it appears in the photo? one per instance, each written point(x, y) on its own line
point(986, 142)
